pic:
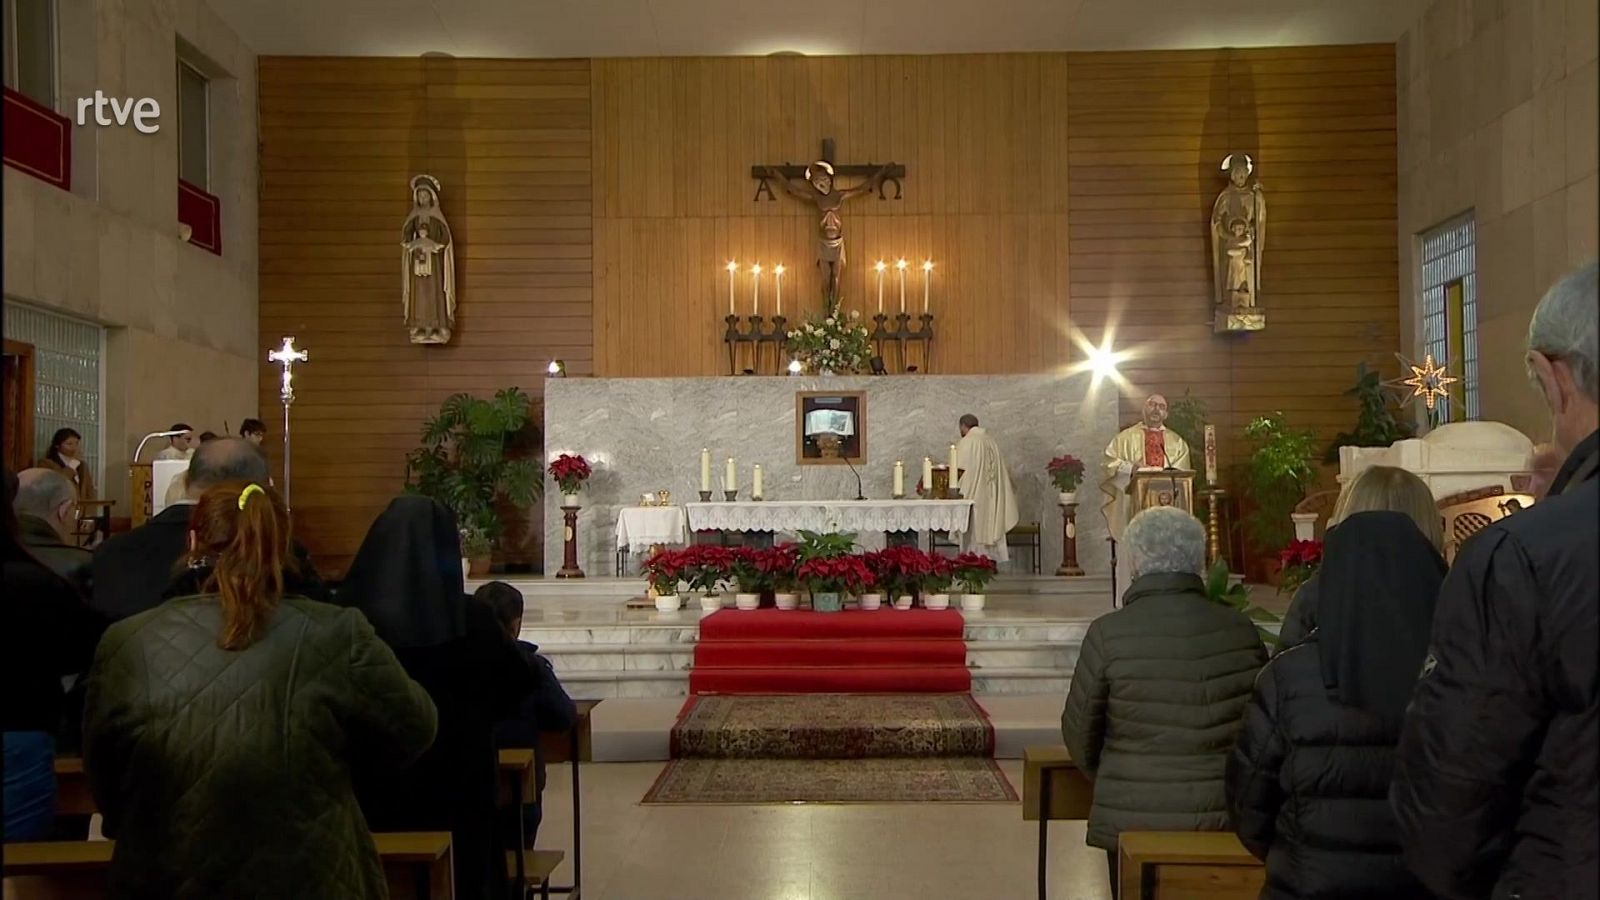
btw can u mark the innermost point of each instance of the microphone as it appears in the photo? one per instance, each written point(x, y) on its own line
point(846, 458)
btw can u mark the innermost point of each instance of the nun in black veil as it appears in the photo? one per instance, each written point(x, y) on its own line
point(407, 579)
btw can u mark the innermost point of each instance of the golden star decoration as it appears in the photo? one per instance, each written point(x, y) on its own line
point(1429, 381)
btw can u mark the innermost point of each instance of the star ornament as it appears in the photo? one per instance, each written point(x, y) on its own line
point(1429, 381)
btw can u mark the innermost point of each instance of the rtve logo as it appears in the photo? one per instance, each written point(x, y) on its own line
point(143, 112)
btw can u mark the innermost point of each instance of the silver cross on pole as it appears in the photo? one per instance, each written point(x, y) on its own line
point(287, 356)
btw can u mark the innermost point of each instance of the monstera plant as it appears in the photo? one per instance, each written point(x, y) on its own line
point(463, 462)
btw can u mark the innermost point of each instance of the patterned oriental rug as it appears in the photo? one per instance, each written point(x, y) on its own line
point(832, 748)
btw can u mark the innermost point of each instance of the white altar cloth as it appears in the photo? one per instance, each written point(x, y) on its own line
point(862, 517)
point(641, 527)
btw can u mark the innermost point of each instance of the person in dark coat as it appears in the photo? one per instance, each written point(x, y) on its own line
point(407, 579)
point(46, 634)
point(1495, 781)
point(222, 730)
point(1308, 781)
point(47, 514)
point(133, 572)
point(546, 709)
point(1158, 690)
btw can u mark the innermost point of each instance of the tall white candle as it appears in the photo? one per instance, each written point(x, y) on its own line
point(1211, 455)
point(927, 276)
point(899, 478)
point(755, 483)
point(733, 271)
point(705, 470)
point(755, 296)
point(879, 269)
point(901, 265)
point(953, 461)
point(777, 273)
point(927, 475)
point(730, 480)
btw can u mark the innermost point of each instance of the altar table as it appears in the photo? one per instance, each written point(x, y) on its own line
point(861, 517)
point(641, 527)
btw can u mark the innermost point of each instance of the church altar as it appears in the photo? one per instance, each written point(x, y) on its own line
point(861, 517)
point(645, 435)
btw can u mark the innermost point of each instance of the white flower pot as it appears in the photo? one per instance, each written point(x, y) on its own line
point(667, 602)
point(973, 602)
point(710, 602)
point(466, 569)
point(1305, 525)
point(786, 601)
point(569, 499)
point(747, 601)
point(1066, 497)
point(902, 602)
point(936, 601)
point(870, 601)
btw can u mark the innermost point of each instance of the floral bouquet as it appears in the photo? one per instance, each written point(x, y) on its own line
point(835, 343)
point(1066, 472)
point(570, 472)
point(1299, 561)
point(664, 569)
point(974, 571)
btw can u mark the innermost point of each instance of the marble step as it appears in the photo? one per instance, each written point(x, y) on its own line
point(978, 629)
point(981, 655)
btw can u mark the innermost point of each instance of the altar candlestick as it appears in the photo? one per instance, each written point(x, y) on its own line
point(879, 269)
point(953, 457)
point(927, 276)
point(927, 475)
point(755, 483)
point(1211, 455)
point(777, 273)
point(730, 481)
point(899, 478)
point(705, 470)
point(901, 265)
point(733, 270)
point(755, 297)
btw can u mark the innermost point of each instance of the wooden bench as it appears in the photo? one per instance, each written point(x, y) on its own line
point(416, 865)
point(1187, 865)
point(1052, 788)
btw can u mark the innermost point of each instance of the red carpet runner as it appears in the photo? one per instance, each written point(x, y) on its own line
point(884, 651)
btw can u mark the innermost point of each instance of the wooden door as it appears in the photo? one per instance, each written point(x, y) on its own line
point(19, 398)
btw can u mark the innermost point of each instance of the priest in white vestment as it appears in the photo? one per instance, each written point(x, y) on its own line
point(985, 481)
point(1147, 445)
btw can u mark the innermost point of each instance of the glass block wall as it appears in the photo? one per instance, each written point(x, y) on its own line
point(1449, 255)
point(67, 353)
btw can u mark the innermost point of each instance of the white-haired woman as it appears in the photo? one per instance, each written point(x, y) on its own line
point(1159, 690)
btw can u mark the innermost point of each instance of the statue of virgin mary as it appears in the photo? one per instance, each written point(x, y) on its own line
point(427, 266)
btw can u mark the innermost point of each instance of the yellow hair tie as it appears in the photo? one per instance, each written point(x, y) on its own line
point(245, 494)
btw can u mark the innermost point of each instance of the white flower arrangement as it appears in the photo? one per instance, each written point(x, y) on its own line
point(833, 344)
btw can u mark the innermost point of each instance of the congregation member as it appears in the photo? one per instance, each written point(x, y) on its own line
point(253, 430)
point(1308, 781)
point(133, 572)
point(1376, 489)
point(65, 458)
point(546, 709)
point(222, 730)
point(1158, 691)
point(46, 634)
point(984, 480)
point(407, 579)
point(180, 445)
point(1495, 780)
point(47, 519)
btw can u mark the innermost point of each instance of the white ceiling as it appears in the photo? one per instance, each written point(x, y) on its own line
point(580, 28)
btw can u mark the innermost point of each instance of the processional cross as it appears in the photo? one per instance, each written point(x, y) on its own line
point(287, 356)
point(815, 184)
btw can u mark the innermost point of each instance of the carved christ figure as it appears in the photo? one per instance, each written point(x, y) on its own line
point(428, 267)
point(819, 189)
point(1238, 236)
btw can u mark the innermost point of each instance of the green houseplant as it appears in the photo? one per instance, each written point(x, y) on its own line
point(1376, 422)
point(1222, 590)
point(1281, 467)
point(462, 461)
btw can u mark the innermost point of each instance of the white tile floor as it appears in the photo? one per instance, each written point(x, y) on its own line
point(807, 852)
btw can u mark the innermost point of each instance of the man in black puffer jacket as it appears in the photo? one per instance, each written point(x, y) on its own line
point(1495, 783)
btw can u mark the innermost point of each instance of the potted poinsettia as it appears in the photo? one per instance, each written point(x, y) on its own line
point(973, 572)
point(900, 573)
point(1067, 473)
point(1298, 562)
point(827, 569)
point(706, 568)
point(779, 565)
point(570, 471)
point(752, 579)
point(664, 569)
point(936, 583)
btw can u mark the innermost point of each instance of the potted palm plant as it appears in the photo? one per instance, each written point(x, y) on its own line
point(973, 572)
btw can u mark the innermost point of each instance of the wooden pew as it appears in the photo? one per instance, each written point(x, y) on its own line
point(1187, 865)
point(416, 865)
point(1052, 788)
point(72, 788)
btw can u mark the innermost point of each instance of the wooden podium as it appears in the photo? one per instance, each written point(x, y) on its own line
point(1160, 487)
point(139, 475)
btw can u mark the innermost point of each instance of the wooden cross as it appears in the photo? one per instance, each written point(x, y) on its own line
point(895, 173)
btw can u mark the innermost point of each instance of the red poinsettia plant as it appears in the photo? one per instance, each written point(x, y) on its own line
point(835, 574)
point(900, 570)
point(1066, 472)
point(664, 569)
point(974, 571)
point(779, 566)
point(747, 570)
point(570, 472)
point(1298, 562)
point(707, 565)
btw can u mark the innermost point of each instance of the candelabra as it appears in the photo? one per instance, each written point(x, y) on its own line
point(756, 334)
point(901, 336)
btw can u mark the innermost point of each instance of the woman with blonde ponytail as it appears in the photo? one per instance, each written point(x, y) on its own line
point(221, 728)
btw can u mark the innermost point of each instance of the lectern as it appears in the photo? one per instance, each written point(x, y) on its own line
point(1160, 487)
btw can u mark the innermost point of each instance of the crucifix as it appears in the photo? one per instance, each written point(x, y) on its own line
point(287, 356)
point(815, 184)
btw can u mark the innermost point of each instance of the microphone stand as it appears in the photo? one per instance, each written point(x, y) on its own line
point(860, 495)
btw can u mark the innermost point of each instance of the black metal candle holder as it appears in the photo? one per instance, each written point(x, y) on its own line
point(902, 335)
point(758, 336)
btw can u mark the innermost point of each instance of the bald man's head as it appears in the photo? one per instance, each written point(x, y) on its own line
point(47, 495)
point(223, 460)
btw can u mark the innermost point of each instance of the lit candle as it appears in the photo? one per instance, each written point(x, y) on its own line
point(899, 478)
point(733, 270)
point(927, 475)
point(705, 470)
point(777, 272)
point(730, 481)
point(755, 483)
point(953, 457)
point(927, 276)
point(901, 265)
point(879, 269)
point(1211, 455)
point(755, 297)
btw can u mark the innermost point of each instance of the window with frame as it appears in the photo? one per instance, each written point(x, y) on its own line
point(1449, 281)
point(68, 379)
point(194, 126)
point(30, 49)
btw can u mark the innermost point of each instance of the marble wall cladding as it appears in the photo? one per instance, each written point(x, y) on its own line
point(645, 434)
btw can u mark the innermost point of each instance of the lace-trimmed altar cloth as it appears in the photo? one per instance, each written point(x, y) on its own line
point(862, 517)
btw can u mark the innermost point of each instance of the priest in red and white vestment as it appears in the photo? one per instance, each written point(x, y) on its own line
point(1147, 445)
